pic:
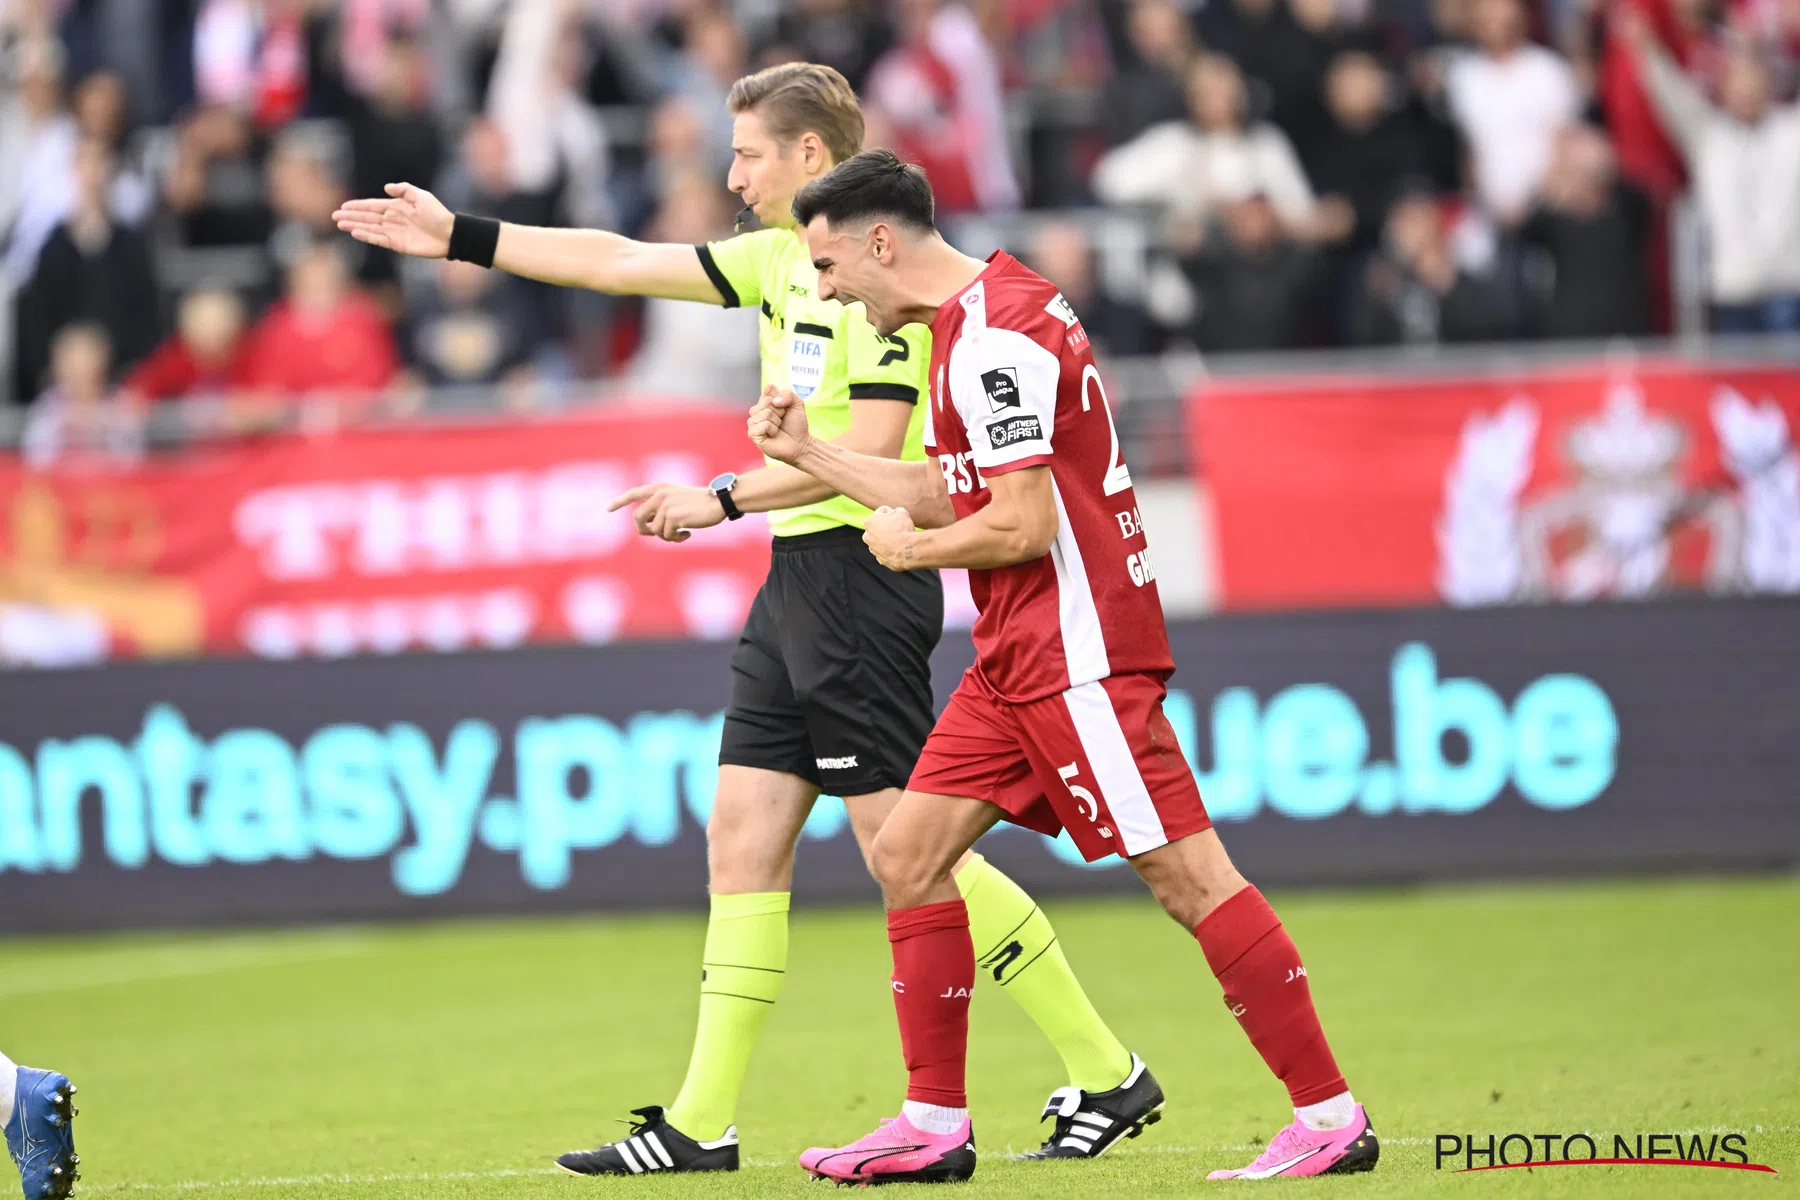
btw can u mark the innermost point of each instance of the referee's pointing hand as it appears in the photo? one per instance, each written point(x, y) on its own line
point(670, 511)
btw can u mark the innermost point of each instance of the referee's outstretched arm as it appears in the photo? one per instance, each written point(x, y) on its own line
point(410, 220)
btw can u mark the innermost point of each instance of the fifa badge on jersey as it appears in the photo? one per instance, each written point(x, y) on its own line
point(806, 363)
point(1002, 388)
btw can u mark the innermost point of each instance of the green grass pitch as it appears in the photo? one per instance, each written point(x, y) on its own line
point(452, 1060)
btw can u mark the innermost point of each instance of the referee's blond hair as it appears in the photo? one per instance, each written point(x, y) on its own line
point(799, 98)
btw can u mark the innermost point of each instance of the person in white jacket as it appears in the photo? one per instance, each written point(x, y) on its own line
point(1189, 169)
point(1744, 157)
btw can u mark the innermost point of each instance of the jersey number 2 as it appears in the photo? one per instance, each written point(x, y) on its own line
point(1118, 476)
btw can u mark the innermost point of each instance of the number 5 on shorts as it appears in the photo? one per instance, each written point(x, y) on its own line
point(1084, 799)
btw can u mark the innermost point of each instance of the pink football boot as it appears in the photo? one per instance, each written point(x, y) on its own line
point(897, 1153)
point(1300, 1150)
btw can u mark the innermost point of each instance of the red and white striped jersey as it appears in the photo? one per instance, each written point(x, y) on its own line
point(1013, 386)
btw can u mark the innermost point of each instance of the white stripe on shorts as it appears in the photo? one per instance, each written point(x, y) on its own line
point(1115, 770)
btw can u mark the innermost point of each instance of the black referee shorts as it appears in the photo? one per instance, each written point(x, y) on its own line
point(831, 680)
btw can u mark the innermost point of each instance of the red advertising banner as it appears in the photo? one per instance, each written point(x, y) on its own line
point(1573, 484)
point(437, 537)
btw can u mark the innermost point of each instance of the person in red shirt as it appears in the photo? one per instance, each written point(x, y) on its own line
point(323, 336)
point(1059, 725)
point(206, 356)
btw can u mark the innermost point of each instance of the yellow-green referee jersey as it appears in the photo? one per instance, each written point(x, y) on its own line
point(827, 352)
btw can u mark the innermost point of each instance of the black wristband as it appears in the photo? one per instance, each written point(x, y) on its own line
point(473, 239)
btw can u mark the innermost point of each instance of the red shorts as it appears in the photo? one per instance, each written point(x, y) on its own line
point(1099, 760)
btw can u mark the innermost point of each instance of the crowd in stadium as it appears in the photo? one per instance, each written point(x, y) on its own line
point(1306, 173)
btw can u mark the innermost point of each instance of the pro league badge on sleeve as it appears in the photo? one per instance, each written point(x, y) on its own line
point(1002, 388)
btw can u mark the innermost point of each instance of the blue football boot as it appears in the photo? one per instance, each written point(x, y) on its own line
point(40, 1134)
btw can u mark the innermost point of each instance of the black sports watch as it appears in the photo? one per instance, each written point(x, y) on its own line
point(721, 487)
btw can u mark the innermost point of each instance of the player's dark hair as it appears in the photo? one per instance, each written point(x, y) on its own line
point(872, 185)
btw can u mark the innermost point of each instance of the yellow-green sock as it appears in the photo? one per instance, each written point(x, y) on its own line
point(740, 977)
point(1016, 947)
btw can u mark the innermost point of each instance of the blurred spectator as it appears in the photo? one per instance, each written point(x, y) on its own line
point(78, 417)
point(305, 186)
point(1308, 35)
point(1188, 168)
point(690, 350)
point(1254, 283)
point(394, 135)
point(1061, 252)
point(323, 335)
point(1373, 150)
point(250, 56)
point(553, 145)
point(46, 174)
point(1415, 292)
point(1510, 98)
point(1147, 88)
point(1744, 155)
point(938, 93)
point(850, 35)
point(1688, 31)
point(215, 185)
point(100, 112)
point(125, 38)
point(206, 355)
point(1250, 33)
point(1592, 226)
point(92, 269)
point(482, 182)
point(467, 331)
point(368, 31)
point(713, 57)
point(1047, 44)
point(37, 144)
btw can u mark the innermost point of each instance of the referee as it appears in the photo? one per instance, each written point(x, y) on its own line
point(831, 681)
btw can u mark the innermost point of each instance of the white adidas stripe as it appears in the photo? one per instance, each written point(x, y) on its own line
point(630, 1159)
point(656, 1145)
point(1094, 1119)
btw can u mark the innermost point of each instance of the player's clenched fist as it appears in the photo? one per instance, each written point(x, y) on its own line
point(778, 424)
point(410, 221)
point(889, 536)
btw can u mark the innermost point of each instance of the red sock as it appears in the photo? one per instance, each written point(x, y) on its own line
point(934, 975)
point(1265, 986)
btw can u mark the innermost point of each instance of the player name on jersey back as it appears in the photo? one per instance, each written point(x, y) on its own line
point(1014, 386)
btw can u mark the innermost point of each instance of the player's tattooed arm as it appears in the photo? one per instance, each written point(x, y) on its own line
point(1018, 525)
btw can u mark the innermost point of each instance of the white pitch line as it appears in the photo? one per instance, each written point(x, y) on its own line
point(195, 1185)
point(103, 969)
point(309, 1181)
